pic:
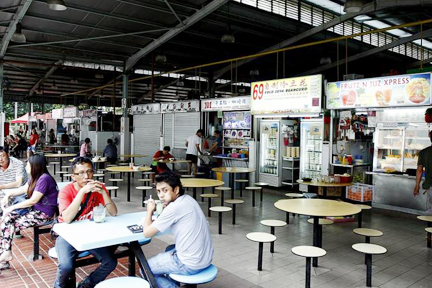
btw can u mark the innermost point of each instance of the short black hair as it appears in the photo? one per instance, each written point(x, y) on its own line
point(200, 131)
point(167, 148)
point(4, 149)
point(109, 141)
point(217, 132)
point(172, 179)
point(80, 161)
point(87, 140)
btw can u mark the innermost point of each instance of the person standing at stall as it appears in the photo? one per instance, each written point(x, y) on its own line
point(110, 152)
point(425, 162)
point(51, 137)
point(85, 148)
point(193, 143)
point(34, 139)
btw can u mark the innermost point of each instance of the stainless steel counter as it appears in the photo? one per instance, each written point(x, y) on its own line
point(395, 192)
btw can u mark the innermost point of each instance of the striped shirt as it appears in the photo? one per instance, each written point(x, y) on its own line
point(13, 171)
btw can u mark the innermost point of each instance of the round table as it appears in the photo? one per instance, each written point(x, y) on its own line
point(127, 170)
point(62, 147)
point(195, 183)
point(60, 156)
point(97, 162)
point(317, 208)
point(324, 185)
point(232, 171)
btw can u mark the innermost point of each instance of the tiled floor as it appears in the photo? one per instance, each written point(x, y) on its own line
point(408, 262)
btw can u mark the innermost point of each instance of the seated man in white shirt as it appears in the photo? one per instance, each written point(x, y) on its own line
point(193, 248)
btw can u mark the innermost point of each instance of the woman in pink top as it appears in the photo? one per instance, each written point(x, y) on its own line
point(85, 151)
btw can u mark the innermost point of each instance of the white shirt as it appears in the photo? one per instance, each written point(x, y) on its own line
point(192, 142)
point(191, 231)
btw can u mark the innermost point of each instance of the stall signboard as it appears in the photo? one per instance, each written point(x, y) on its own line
point(153, 108)
point(57, 114)
point(226, 104)
point(48, 116)
point(287, 96)
point(70, 112)
point(180, 106)
point(391, 91)
point(32, 118)
point(89, 113)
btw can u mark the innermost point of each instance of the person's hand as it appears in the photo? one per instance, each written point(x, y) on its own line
point(6, 212)
point(151, 206)
point(92, 186)
point(4, 202)
point(416, 190)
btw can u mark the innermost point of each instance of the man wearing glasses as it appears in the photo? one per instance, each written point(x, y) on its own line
point(12, 172)
point(76, 202)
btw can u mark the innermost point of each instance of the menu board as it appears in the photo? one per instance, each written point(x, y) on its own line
point(70, 112)
point(287, 96)
point(401, 90)
point(146, 109)
point(57, 114)
point(226, 104)
point(237, 120)
point(180, 106)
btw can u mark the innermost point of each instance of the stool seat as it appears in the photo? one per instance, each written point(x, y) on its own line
point(310, 195)
point(98, 175)
point(125, 281)
point(273, 223)
point(62, 172)
point(368, 248)
point(111, 187)
point(253, 188)
point(368, 232)
point(68, 175)
point(111, 165)
point(233, 201)
point(294, 195)
point(53, 253)
point(364, 207)
point(115, 180)
point(145, 180)
point(222, 188)
point(183, 171)
point(148, 173)
point(209, 195)
point(261, 237)
point(321, 221)
point(425, 218)
point(241, 180)
point(123, 164)
point(205, 276)
point(187, 176)
point(143, 188)
point(113, 173)
point(65, 167)
point(54, 162)
point(308, 251)
point(261, 184)
point(220, 209)
point(428, 229)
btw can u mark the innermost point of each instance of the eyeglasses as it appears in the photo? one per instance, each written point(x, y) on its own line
point(81, 173)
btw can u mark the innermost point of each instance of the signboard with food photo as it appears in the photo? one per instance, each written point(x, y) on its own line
point(401, 90)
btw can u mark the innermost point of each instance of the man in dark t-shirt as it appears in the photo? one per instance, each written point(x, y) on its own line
point(425, 161)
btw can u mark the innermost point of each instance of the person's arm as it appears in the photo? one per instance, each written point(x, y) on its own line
point(187, 143)
point(198, 148)
point(156, 156)
point(36, 197)
point(149, 229)
point(109, 204)
point(17, 183)
point(12, 193)
point(419, 174)
point(213, 147)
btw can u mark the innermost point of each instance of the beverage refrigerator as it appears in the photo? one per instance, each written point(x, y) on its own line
point(270, 157)
point(311, 148)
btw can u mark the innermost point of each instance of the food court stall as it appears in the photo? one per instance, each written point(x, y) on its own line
point(400, 133)
point(234, 117)
point(180, 120)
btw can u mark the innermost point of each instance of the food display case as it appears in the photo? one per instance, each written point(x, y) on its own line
point(236, 130)
point(397, 148)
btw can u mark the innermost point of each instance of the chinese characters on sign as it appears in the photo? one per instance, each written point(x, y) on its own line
point(146, 109)
point(287, 96)
point(226, 104)
point(180, 106)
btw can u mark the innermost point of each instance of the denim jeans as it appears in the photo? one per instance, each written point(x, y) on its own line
point(165, 263)
point(67, 254)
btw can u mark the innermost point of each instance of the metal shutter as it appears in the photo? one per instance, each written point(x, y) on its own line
point(185, 125)
point(168, 129)
point(147, 131)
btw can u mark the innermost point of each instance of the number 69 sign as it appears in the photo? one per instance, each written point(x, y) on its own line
point(258, 91)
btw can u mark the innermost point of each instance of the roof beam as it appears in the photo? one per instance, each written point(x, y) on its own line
point(46, 76)
point(426, 33)
point(12, 26)
point(373, 6)
point(197, 16)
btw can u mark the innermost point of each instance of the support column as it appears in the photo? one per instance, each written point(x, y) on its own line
point(124, 126)
point(2, 132)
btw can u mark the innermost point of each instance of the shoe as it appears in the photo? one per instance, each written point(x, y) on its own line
point(85, 284)
point(4, 265)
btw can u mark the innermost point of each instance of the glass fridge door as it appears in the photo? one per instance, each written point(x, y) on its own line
point(388, 150)
point(269, 147)
point(311, 149)
point(416, 139)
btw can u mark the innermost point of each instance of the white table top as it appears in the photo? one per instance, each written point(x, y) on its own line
point(84, 235)
point(317, 207)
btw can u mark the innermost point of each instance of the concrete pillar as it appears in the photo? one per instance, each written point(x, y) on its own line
point(125, 144)
point(2, 117)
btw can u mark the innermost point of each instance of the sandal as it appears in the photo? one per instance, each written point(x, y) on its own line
point(4, 265)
